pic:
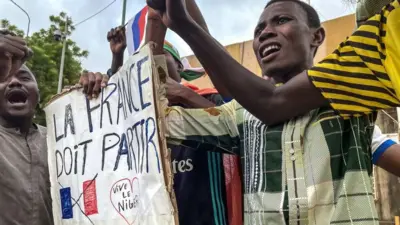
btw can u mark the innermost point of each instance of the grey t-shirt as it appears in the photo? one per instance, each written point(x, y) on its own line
point(24, 178)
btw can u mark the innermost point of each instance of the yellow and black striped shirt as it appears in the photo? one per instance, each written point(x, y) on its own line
point(363, 74)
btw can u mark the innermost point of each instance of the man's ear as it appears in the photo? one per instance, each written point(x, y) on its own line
point(318, 37)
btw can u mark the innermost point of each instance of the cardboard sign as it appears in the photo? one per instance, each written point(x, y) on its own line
point(105, 157)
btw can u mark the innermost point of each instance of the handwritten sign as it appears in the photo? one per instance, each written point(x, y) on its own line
point(104, 154)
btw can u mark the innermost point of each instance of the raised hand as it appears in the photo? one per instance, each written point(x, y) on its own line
point(173, 13)
point(13, 53)
point(117, 39)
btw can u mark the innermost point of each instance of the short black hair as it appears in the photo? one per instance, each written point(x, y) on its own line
point(312, 15)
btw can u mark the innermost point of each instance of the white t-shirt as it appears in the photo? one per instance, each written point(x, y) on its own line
point(380, 143)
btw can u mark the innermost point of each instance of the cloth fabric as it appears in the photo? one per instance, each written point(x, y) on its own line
point(204, 91)
point(172, 50)
point(199, 182)
point(190, 75)
point(233, 186)
point(187, 66)
point(380, 143)
point(24, 185)
point(368, 8)
point(231, 164)
point(314, 169)
point(362, 74)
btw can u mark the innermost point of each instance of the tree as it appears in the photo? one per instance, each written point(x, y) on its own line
point(46, 60)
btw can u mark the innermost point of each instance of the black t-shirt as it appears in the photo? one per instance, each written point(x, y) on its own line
point(199, 183)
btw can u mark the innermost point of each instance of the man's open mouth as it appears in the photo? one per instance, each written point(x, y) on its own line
point(269, 49)
point(17, 97)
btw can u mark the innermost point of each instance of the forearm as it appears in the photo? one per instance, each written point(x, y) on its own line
point(117, 62)
point(155, 32)
point(197, 16)
point(258, 96)
point(193, 100)
point(390, 160)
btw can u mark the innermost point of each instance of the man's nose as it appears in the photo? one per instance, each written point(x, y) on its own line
point(268, 32)
point(14, 82)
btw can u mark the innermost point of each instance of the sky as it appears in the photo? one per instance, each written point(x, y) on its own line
point(229, 21)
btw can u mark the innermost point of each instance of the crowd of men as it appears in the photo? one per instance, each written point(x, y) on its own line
point(305, 133)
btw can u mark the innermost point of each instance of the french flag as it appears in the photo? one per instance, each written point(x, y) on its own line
point(136, 30)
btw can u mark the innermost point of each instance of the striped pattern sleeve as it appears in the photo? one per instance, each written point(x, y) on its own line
point(214, 127)
point(360, 76)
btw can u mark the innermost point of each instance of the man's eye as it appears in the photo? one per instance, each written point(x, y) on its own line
point(257, 32)
point(25, 78)
point(283, 20)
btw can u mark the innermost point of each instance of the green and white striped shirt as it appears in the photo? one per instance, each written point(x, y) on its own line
point(315, 169)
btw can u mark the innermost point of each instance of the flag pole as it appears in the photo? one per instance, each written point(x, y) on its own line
point(123, 12)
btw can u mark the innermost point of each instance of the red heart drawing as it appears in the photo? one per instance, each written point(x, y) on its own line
point(124, 196)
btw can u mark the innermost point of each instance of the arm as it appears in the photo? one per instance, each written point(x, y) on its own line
point(198, 18)
point(179, 94)
point(155, 31)
point(117, 62)
point(196, 14)
point(260, 97)
point(213, 126)
point(390, 160)
point(385, 152)
point(193, 100)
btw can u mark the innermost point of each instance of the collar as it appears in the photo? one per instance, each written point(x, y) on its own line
point(14, 130)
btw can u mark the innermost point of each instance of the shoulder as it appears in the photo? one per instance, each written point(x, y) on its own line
point(41, 129)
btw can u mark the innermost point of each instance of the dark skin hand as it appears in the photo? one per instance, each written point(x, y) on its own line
point(196, 16)
point(179, 94)
point(176, 93)
point(92, 83)
point(269, 103)
point(117, 39)
point(13, 53)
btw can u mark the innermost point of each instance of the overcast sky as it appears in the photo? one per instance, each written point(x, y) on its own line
point(229, 21)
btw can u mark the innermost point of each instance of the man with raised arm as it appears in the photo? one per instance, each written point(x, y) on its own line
point(359, 77)
point(24, 174)
point(315, 168)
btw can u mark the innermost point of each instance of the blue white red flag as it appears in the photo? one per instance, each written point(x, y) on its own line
point(136, 31)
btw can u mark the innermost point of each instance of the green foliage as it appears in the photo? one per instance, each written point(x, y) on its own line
point(46, 60)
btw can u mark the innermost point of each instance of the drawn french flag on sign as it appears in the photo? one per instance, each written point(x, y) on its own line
point(135, 31)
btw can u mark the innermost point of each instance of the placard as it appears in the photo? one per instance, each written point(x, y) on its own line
point(105, 157)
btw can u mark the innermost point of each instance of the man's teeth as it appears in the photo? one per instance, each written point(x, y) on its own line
point(269, 48)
